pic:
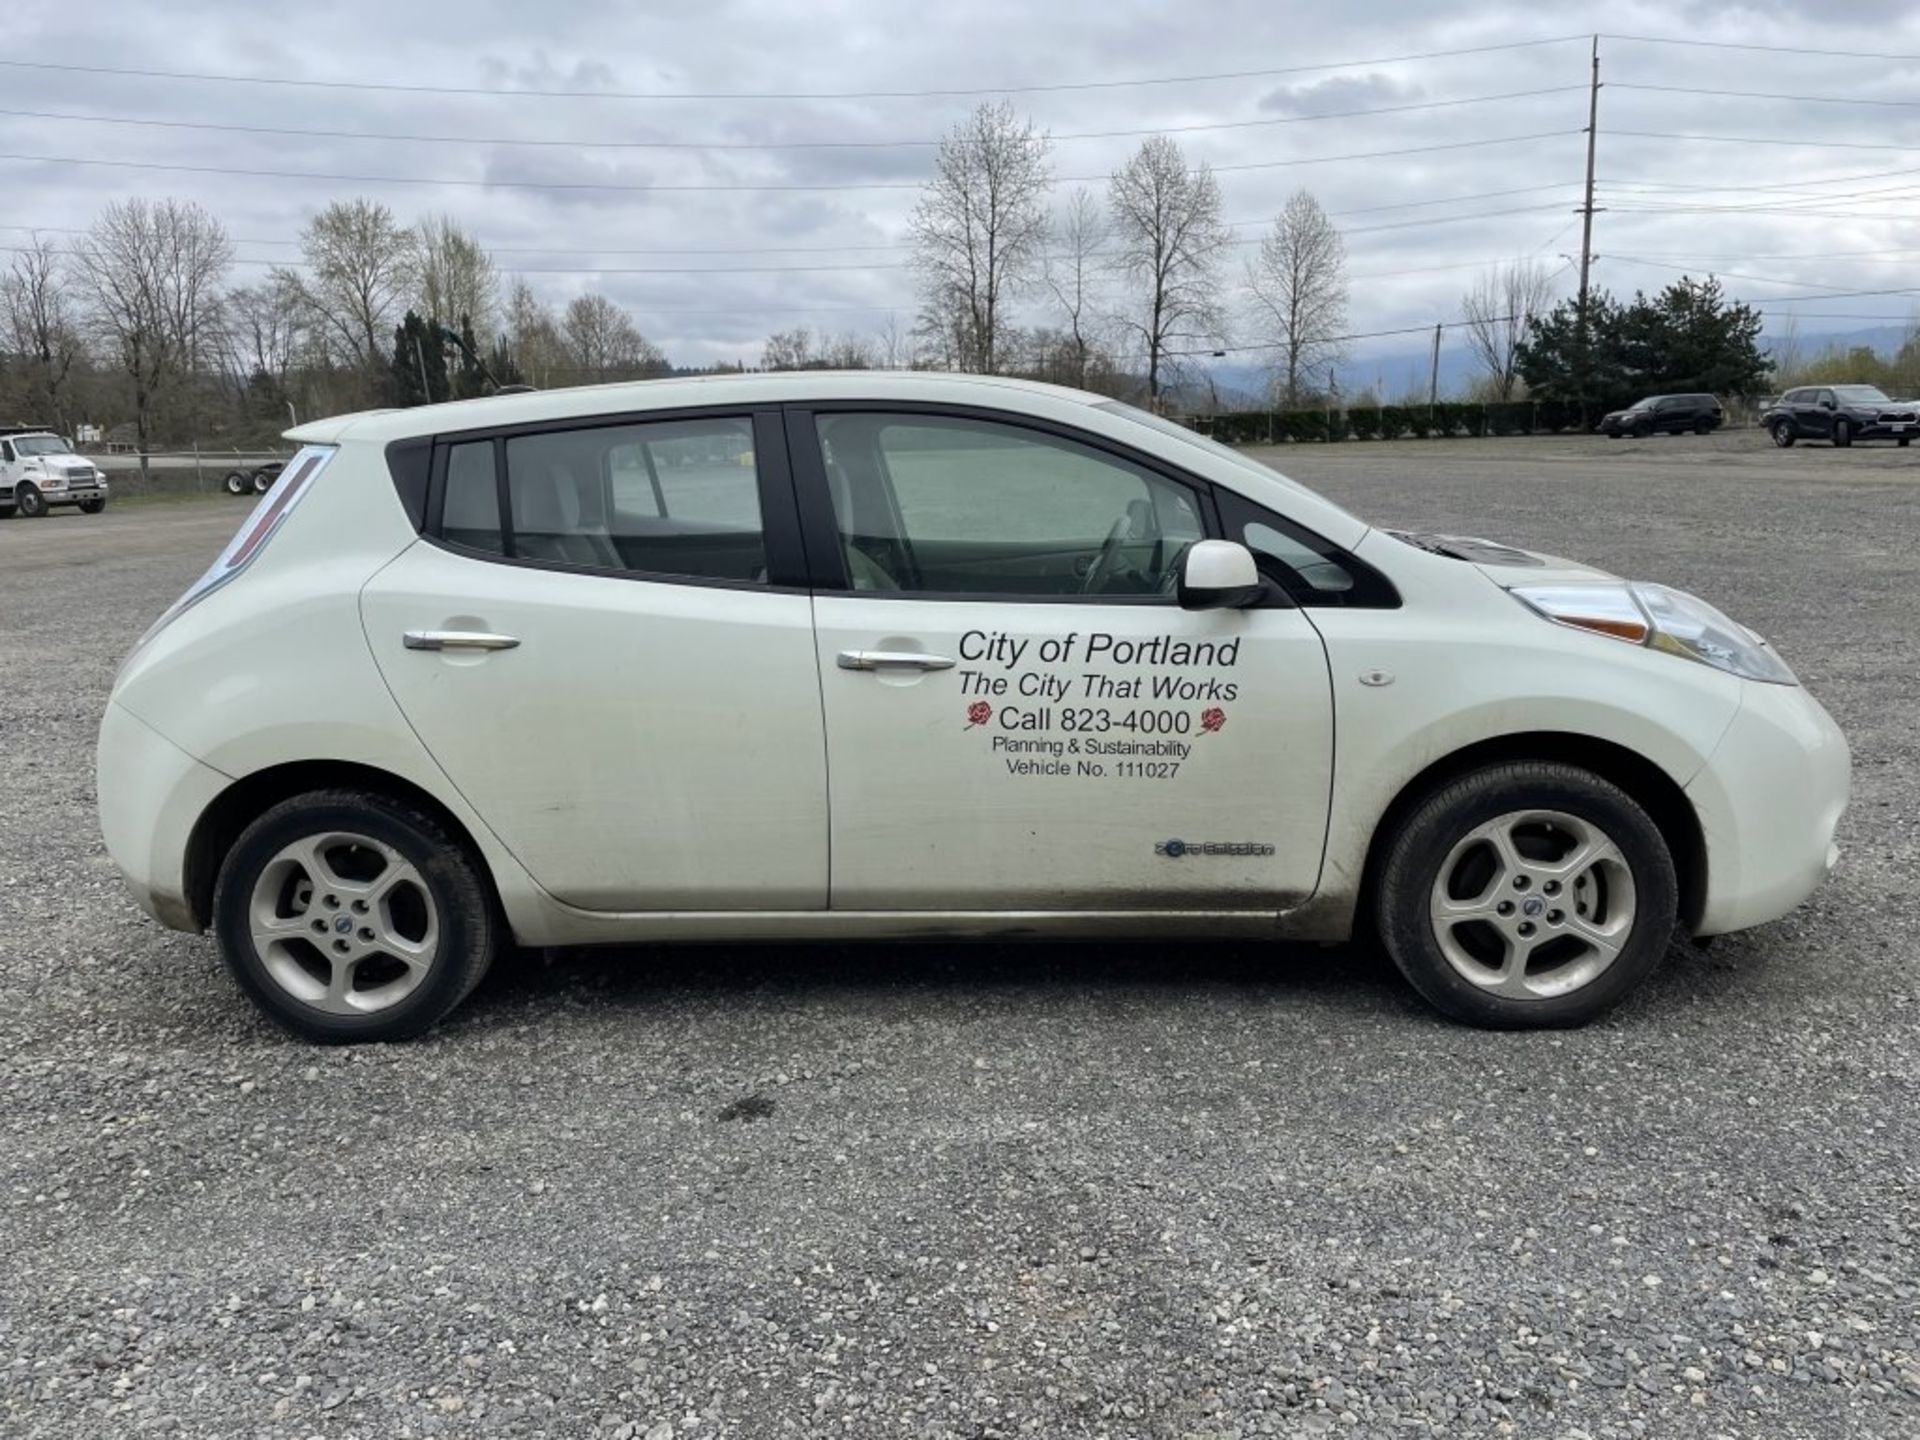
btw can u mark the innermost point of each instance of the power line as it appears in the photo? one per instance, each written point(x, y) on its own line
point(1855, 55)
point(867, 268)
point(889, 246)
point(70, 117)
point(582, 185)
point(1788, 186)
point(1765, 95)
point(1765, 140)
point(1057, 87)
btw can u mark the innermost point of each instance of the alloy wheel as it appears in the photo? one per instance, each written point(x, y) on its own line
point(344, 923)
point(1533, 904)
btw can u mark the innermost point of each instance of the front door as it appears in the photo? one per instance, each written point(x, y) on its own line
point(608, 666)
point(1019, 716)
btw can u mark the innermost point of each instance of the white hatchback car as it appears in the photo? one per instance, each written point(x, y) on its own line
point(902, 655)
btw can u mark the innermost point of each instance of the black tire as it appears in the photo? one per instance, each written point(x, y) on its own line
point(262, 482)
point(6, 512)
point(471, 930)
point(93, 507)
point(1904, 441)
point(1842, 434)
point(237, 483)
point(1783, 434)
point(28, 500)
point(1642, 431)
point(1702, 427)
point(1427, 837)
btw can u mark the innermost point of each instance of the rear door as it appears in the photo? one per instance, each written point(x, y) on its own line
point(1019, 717)
point(606, 642)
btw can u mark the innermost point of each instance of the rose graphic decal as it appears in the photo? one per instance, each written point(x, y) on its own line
point(978, 713)
point(1211, 719)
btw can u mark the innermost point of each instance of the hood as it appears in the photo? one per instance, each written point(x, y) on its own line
point(1505, 565)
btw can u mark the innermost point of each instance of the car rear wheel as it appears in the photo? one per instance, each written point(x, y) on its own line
point(28, 500)
point(351, 917)
point(1783, 435)
point(1526, 895)
point(237, 483)
point(1701, 427)
point(1842, 434)
point(262, 482)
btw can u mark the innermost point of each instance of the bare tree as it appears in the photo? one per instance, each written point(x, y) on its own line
point(457, 278)
point(1299, 287)
point(1073, 272)
point(891, 344)
point(788, 350)
point(1499, 311)
point(1167, 220)
point(603, 343)
point(264, 330)
point(533, 336)
point(362, 265)
point(980, 227)
point(151, 272)
point(39, 329)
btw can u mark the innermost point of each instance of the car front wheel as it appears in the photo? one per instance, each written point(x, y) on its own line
point(1525, 895)
point(1842, 434)
point(93, 507)
point(28, 500)
point(349, 916)
point(1783, 435)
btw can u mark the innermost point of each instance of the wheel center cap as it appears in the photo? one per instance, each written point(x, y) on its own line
point(342, 924)
point(1533, 905)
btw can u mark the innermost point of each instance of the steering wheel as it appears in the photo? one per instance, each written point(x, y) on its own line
point(1103, 563)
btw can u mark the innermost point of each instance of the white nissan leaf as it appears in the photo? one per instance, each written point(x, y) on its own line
point(867, 655)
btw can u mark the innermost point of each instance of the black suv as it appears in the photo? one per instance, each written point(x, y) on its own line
point(1672, 413)
point(1842, 414)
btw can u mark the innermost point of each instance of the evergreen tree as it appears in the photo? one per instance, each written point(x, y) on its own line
point(1689, 337)
point(418, 367)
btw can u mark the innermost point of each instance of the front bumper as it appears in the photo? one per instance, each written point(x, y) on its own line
point(1875, 429)
point(1769, 802)
point(72, 493)
point(152, 794)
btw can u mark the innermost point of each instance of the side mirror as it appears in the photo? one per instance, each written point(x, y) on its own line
point(1219, 575)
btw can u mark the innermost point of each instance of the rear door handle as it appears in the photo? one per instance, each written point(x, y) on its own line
point(457, 640)
point(892, 659)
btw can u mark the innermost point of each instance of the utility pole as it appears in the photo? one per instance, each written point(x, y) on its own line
point(1433, 384)
point(1586, 226)
point(1586, 209)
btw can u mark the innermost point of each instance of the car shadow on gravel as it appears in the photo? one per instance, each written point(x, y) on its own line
point(1348, 977)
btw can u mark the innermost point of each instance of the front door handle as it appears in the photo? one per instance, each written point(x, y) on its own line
point(892, 659)
point(457, 640)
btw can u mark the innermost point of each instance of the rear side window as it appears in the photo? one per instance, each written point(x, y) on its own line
point(472, 513)
point(672, 498)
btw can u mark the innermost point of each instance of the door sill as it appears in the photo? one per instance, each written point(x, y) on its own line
point(564, 925)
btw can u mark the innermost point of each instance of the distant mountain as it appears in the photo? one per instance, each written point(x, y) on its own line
point(1393, 375)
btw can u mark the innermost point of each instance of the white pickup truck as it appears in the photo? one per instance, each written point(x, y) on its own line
point(39, 470)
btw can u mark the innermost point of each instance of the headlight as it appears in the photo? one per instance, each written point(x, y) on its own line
point(1660, 619)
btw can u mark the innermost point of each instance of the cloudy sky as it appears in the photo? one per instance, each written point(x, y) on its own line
point(732, 167)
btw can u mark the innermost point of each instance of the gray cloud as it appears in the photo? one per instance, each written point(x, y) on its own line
point(1656, 190)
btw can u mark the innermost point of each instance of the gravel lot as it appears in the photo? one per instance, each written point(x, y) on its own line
point(970, 1192)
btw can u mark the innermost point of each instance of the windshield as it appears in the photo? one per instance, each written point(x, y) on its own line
point(1215, 448)
point(40, 445)
point(1860, 394)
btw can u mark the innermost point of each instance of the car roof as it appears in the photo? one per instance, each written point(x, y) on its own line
point(785, 387)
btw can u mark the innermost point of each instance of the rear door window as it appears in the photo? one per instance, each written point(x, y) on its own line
point(667, 498)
